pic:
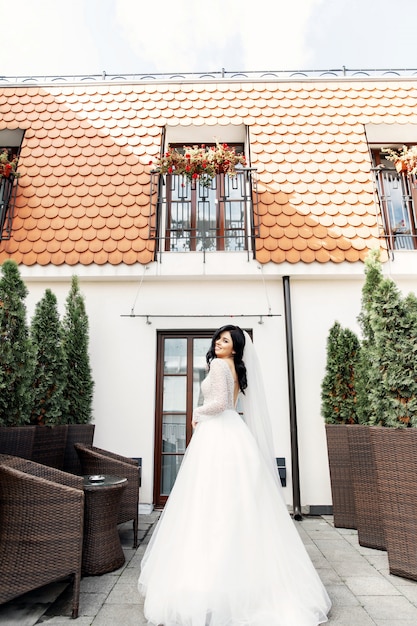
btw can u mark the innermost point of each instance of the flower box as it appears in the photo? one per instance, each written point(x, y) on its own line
point(201, 163)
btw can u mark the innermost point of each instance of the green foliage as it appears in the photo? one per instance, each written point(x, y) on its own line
point(49, 405)
point(387, 368)
point(368, 376)
point(338, 393)
point(16, 353)
point(368, 381)
point(393, 321)
point(79, 383)
point(373, 277)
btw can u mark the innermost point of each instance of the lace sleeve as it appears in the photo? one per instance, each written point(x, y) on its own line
point(217, 398)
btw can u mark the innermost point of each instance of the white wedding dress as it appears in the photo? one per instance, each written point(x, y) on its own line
point(225, 551)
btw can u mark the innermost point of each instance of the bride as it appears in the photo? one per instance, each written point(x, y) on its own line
point(225, 551)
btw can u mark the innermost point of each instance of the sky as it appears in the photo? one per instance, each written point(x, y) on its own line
point(89, 37)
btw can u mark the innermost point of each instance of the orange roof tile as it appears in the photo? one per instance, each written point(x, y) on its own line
point(83, 195)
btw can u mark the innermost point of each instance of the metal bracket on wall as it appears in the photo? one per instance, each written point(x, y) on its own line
point(148, 317)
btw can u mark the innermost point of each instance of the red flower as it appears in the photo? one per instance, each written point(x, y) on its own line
point(195, 175)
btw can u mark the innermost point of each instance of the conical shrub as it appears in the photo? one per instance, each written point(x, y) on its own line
point(79, 384)
point(49, 404)
point(338, 391)
point(16, 352)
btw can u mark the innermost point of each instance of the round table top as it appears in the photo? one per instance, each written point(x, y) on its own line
point(91, 481)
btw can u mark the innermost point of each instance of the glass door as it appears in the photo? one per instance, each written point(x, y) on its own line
point(181, 367)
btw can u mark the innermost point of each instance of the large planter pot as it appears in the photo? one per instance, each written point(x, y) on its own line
point(340, 475)
point(49, 445)
point(396, 464)
point(369, 521)
point(17, 440)
point(77, 433)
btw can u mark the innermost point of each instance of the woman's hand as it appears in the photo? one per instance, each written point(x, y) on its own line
point(194, 424)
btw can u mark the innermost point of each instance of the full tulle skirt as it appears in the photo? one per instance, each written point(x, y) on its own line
point(225, 551)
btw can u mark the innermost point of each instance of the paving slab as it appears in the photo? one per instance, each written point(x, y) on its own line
point(29, 608)
point(362, 590)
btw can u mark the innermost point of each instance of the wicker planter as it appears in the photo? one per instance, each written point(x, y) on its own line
point(17, 440)
point(368, 511)
point(77, 433)
point(396, 463)
point(341, 475)
point(49, 445)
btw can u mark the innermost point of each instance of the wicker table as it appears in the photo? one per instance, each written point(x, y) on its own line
point(102, 550)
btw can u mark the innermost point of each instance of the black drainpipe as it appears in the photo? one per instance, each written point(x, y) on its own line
point(295, 467)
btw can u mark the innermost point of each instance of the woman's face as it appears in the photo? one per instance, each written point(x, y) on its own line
point(223, 347)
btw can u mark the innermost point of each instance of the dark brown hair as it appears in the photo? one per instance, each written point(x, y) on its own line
point(238, 339)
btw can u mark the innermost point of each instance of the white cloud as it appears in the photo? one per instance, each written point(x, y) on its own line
point(186, 36)
point(274, 34)
point(55, 37)
point(46, 37)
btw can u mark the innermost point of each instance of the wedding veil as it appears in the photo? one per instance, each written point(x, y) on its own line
point(255, 409)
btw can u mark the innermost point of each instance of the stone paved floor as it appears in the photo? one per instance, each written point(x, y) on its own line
point(357, 579)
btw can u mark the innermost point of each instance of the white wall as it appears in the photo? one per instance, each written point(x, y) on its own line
point(123, 348)
point(316, 305)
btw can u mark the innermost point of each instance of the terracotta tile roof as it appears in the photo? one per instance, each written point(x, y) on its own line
point(83, 195)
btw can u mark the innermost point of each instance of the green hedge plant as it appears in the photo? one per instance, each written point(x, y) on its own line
point(49, 403)
point(338, 390)
point(79, 383)
point(16, 351)
point(368, 376)
point(393, 320)
point(387, 367)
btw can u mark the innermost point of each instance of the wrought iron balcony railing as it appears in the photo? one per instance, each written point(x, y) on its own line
point(397, 193)
point(187, 216)
point(8, 189)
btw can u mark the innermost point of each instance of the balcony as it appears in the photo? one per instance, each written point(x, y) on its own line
point(397, 194)
point(188, 216)
point(7, 202)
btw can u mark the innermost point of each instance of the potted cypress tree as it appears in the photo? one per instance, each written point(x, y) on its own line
point(16, 365)
point(78, 390)
point(49, 403)
point(394, 439)
point(369, 376)
point(338, 395)
point(369, 520)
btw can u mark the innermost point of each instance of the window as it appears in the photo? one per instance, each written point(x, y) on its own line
point(192, 217)
point(7, 193)
point(10, 141)
point(181, 367)
point(397, 194)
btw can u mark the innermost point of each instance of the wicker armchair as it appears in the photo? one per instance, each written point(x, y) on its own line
point(97, 461)
point(41, 527)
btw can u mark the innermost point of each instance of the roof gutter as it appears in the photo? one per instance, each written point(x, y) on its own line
point(295, 467)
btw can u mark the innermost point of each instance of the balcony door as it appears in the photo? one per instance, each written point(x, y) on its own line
point(181, 367)
point(207, 218)
point(397, 195)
